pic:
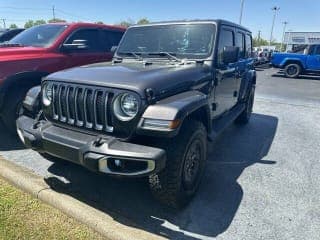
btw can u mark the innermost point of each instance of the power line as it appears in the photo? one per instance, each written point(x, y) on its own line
point(73, 15)
point(27, 8)
point(284, 30)
point(275, 9)
point(241, 11)
point(53, 13)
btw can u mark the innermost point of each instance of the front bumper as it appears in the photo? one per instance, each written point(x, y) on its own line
point(100, 154)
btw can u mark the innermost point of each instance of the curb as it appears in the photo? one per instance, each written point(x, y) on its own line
point(97, 220)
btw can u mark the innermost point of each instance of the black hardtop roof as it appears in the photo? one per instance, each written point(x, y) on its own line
point(217, 21)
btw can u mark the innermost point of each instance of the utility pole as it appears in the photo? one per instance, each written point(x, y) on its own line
point(4, 22)
point(284, 30)
point(259, 36)
point(275, 9)
point(53, 13)
point(241, 11)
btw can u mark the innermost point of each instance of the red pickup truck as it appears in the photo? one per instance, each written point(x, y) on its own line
point(48, 48)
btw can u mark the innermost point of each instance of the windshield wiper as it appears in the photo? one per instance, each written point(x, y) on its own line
point(171, 56)
point(136, 55)
point(11, 45)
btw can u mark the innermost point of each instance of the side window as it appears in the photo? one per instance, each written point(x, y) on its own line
point(226, 40)
point(248, 46)
point(317, 50)
point(110, 39)
point(91, 36)
point(241, 44)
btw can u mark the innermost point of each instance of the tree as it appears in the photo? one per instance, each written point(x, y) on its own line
point(13, 26)
point(143, 21)
point(127, 23)
point(31, 23)
point(56, 20)
point(99, 22)
point(39, 22)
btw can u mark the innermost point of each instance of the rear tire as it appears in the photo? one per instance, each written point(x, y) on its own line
point(292, 70)
point(175, 185)
point(245, 116)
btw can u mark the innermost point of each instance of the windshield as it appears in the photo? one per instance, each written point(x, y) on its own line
point(193, 41)
point(39, 36)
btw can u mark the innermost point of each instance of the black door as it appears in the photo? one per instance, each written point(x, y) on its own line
point(226, 82)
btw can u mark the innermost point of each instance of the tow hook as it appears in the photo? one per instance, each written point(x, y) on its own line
point(37, 120)
point(99, 141)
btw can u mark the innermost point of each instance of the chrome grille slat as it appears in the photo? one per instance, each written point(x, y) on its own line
point(70, 119)
point(62, 118)
point(97, 126)
point(82, 106)
point(108, 128)
point(79, 122)
point(54, 110)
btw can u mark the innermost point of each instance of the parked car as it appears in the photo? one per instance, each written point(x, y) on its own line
point(9, 34)
point(295, 64)
point(170, 88)
point(45, 49)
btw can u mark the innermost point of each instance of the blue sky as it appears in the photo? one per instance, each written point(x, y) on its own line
point(302, 15)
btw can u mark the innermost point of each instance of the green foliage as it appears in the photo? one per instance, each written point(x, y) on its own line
point(12, 26)
point(263, 42)
point(143, 21)
point(56, 20)
point(31, 23)
point(129, 22)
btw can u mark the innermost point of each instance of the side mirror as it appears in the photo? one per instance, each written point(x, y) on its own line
point(114, 49)
point(230, 54)
point(76, 45)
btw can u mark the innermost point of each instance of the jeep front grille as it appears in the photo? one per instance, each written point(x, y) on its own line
point(82, 106)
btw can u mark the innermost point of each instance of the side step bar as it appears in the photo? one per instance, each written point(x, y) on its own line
point(220, 124)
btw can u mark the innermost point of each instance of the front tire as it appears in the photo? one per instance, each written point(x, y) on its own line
point(13, 109)
point(292, 70)
point(186, 156)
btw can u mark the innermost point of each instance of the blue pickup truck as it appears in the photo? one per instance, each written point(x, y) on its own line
point(295, 64)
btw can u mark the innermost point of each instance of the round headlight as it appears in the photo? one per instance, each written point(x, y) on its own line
point(126, 106)
point(47, 94)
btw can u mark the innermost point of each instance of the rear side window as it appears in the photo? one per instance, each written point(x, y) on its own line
point(91, 36)
point(317, 50)
point(240, 42)
point(226, 40)
point(110, 39)
point(248, 46)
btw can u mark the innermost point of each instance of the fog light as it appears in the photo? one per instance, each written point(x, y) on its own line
point(117, 162)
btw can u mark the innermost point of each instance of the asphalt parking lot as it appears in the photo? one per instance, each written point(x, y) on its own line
point(262, 180)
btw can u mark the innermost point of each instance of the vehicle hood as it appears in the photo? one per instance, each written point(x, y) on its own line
point(7, 53)
point(163, 78)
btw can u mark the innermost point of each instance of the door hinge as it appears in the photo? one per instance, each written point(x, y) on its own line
point(214, 106)
point(235, 93)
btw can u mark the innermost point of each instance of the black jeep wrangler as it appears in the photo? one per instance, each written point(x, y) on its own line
point(171, 87)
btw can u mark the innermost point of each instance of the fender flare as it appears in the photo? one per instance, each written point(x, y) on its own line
point(177, 107)
point(293, 60)
point(23, 79)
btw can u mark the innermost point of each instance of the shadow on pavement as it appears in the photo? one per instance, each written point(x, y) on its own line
point(211, 212)
point(262, 67)
point(280, 74)
point(8, 141)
